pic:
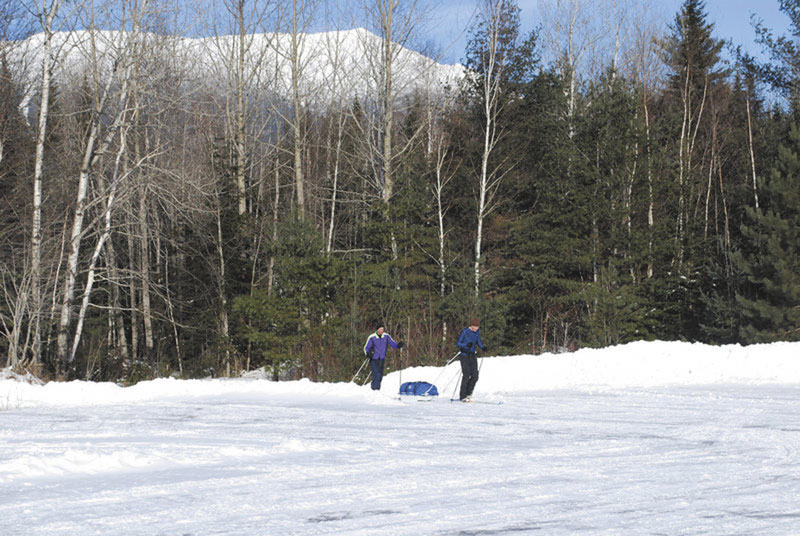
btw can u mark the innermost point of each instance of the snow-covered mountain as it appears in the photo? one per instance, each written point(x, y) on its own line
point(331, 64)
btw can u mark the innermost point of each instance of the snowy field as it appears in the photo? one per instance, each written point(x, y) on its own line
point(646, 438)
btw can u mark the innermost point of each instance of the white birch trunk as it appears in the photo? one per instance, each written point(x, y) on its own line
point(441, 181)
point(46, 18)
point(134, 302)
point(752, 154)
point(91, 155)
point(98, 249)
point(682, 166)
point(144, 270)
point(724, 203)
point(275, 207)
point(241, 112)
point(297, 123)
point(490, 87)
point(119, 318)
point(334, 193)
point(75, 245)
point(650, 192)
point(223, 299)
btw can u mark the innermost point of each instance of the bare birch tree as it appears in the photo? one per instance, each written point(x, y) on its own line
point(493, 44)
point(301, 20)
point(645, 67)
point(444, 170)
point(396, 23)
point(692, 53)
point(111, 60)
point(748, 98)
point(240, 57)
point(571, 34)
point(337, 113)
point(46, 13)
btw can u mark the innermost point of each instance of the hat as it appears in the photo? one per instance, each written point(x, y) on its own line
point(474, 322)
point(379, 326)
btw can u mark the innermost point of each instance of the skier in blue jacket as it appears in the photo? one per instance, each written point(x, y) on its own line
point(375, 349)
point(468, 342)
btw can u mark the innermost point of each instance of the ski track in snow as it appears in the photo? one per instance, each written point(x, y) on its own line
point(259, 458)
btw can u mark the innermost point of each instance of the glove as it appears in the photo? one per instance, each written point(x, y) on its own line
point(370, 354)
point(485, 348)
point(400, 344)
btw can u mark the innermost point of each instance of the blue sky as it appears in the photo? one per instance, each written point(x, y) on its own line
point(730, 17)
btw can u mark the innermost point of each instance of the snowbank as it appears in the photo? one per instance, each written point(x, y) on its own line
point(646, 364)
point(634, 365)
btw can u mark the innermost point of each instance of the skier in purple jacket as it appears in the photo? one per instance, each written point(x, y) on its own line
point(375, 350)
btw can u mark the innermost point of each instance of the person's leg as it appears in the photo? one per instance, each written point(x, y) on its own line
point(473, 374)
point(377, 373)
point(465, 377)
point(376, 382)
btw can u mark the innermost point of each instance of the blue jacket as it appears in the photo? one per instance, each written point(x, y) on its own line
point(379, 345)
point(469, 340)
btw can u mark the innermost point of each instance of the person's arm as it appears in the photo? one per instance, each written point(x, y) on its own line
point(368, 348)
point(392, 342)
point(462, 341)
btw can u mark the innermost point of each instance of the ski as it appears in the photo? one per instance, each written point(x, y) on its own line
point(473, 401)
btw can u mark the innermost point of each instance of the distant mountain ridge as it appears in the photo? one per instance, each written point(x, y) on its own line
point(333, 65)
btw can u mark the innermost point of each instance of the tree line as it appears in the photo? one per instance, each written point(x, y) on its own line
point(263, 197)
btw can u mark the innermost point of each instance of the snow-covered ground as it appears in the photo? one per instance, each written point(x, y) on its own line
point(646, 438)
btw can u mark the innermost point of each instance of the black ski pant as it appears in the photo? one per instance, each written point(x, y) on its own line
point(377, 372)
point(469, 375)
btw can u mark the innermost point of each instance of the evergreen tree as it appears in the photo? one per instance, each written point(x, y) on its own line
point(770, 254)
point(547, 251)
point(292, 327)
point(502, 64)
point(611, 132)
point(689, 125)
point(692, 53)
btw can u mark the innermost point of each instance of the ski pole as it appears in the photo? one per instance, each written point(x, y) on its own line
point(359, 370)
point(453, 358)
point(400, 368)
point(442, 372)
point(457, 384)
point(447, 383)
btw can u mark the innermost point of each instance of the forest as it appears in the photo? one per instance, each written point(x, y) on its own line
point(267, 195)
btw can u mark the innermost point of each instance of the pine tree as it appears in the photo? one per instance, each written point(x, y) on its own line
point(770, 255)
point(547, 249)
point(292, 327)
point(692, 53)
point(690, 123)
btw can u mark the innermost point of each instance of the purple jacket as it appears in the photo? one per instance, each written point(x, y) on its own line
point(378, 345)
